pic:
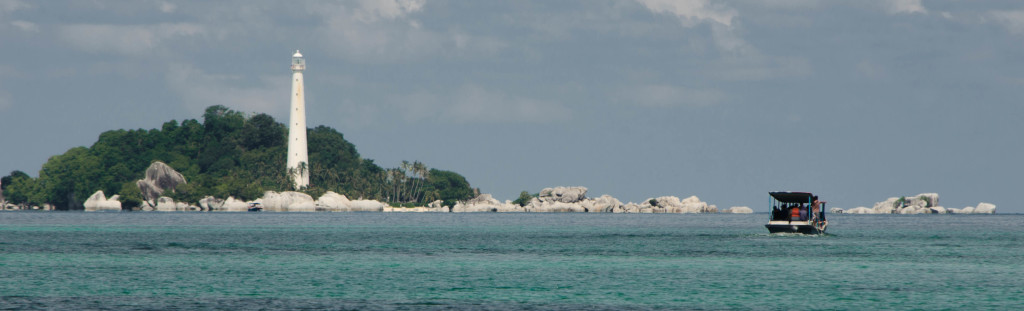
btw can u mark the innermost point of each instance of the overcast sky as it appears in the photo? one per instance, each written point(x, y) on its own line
point(856, 101)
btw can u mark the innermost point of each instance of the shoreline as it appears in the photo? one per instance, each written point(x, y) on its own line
point(551, 200)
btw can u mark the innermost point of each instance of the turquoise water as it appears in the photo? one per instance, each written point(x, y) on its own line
point(245, 261)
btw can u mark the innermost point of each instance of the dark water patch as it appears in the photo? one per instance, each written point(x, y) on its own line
point(145, 247)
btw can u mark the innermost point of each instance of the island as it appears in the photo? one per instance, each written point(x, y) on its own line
point(924, 203)
point(231, 160)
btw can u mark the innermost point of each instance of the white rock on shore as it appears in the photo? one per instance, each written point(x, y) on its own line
point(486, 203)
point(210, 203)
point(738, 210)
point(563, 194)
point(924, 203)
point(234, 205)
point(550, 200)
point(982, 208)
point(672, 204)
point(287, 201)
point(418, 209)
point(333, 202)
point(166, 204)
point(574, 200)
point(602, 204)
point(99, 202)
point(985, 208)
point(859, 210)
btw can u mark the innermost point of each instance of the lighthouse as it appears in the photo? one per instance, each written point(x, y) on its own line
point(298, 159)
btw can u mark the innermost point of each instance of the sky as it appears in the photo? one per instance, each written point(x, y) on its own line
point(856, 101)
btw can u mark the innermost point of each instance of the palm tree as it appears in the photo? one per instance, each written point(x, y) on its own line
point(421, 172)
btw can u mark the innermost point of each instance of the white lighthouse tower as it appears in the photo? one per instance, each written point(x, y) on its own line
point(298, 159)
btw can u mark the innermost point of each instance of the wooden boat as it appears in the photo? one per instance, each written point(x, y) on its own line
point(796, 212)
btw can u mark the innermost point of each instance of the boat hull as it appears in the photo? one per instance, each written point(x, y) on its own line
point(793, 228)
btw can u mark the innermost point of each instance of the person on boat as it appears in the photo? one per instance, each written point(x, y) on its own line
point(816, 205)
point(816, 209)
point(794, 212)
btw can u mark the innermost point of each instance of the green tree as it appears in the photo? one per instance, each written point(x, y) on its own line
point(131, 196)
point(451, 187)
point(524, 198)
point(7, 180)
point(19, 188)
point(261, 131)
point(68, 179)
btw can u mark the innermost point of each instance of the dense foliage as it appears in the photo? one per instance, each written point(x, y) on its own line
point(228, 154)
point(525, 198)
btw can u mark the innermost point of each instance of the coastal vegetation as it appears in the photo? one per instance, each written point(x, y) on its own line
point(525, 198)
point(227, 154)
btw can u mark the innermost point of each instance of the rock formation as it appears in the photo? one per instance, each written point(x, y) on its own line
point(924, 203)
point(210, 203)
point(234, 205)
point(859, 210)
point(982, 208)
point(287, 201)
point(366, 206)
point(574, 200)
point(563, 194)
point(538, 206)
point(486, 203)
point(671, 204)
point(738, 210)
point(603, 204)
point(985, 208)
point(290, 201)
point(333, 202)
point(99, 202)
point(159, 178)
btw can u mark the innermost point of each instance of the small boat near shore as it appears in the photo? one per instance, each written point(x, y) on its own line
point(255, 207)
point(796, 212)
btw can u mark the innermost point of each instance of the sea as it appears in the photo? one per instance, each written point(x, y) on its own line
point(506, 261)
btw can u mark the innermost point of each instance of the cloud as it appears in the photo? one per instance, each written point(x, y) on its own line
point(1012, 20)
point(25, 26)
point(8, 6)
point(199, 90)
point(125, 39)
point(386, 31)
point(167, 7)
point(738, 60)
point(692, 12)
point(475, 104)
point(726, 40)
point(471, 103)
point(354, 35)
point(662, 95)
point(755, 66)
point(372, 10)
point(904, 7)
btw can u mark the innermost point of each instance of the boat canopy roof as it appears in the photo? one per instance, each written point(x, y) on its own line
point(792, 197)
